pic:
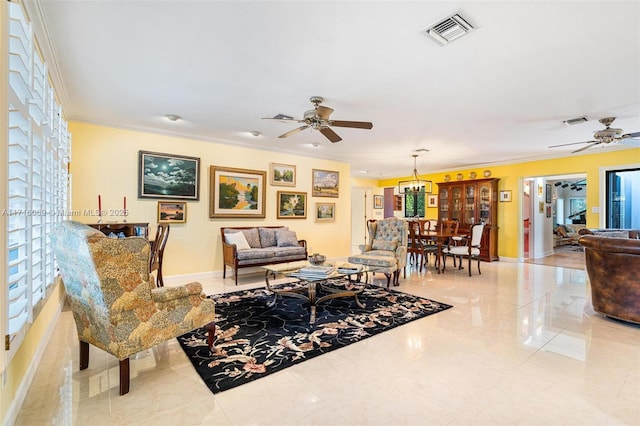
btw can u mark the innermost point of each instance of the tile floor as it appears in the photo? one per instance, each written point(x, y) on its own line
point(521, 346)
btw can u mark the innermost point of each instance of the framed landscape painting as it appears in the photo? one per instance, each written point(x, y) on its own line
point(168, 176)
point(325, 183)
point(172, 212)
point(325, 212)
point(237, 192)
point(292, 205)
point(283, 175)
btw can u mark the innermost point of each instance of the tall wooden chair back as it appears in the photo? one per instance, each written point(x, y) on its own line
point(449, 227)
point(157, 252)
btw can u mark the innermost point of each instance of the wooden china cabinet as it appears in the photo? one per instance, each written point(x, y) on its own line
point(469, 202)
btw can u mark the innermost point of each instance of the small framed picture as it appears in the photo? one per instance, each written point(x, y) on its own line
point(505, 196)
point(283, 175)
point(378, 202)
point(172, 212)
point(292, 205)
point(541, 207)
point(548, 193)
point(432, 201)
point(325, 212)
point(325, 183)
point(548, 211)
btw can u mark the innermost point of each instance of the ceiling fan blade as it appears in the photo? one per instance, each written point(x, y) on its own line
point(354, 124)
point(324, 112)
point(330, 134)
point(283, 119)
point(573, 143)
point(631, 135)
point(294, 131)
point(586, 147)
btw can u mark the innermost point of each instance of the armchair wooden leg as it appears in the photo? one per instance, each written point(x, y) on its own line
point(479, 273)
point(211, 335)
point(84, 355)
point(388, 279)
point(124, 376)
point(469, 266)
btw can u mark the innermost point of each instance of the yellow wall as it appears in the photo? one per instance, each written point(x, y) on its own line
point(511, 176)
point(105, 162)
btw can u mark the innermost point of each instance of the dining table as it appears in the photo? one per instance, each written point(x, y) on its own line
point(440, 238)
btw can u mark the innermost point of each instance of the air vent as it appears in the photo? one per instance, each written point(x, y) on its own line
point(449, 29)
point(577, 120)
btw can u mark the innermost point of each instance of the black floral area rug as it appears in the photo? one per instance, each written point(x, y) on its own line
point(254, 340)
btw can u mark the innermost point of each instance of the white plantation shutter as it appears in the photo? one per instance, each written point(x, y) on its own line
point(37, 176)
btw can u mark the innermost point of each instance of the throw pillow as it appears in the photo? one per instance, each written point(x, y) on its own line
point(238, 239)
point(387, 245)
point(286, 238)
point(267, 237)
point(252, 236)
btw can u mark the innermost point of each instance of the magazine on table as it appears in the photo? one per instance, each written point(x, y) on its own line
point(349, 268)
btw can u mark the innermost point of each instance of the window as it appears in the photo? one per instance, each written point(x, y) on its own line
point(622, 210)
point(37, 177)
point(414, 204)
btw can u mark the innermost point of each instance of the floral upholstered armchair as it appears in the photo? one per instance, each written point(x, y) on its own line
point(114, 301)
point(386, 251)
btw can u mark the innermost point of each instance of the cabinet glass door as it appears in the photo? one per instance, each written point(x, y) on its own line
point(469, 204)
point(484, 203)
point(456, 203)
point(443, 205)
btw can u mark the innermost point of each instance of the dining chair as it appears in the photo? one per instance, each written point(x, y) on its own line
point(470, 249)
point(415, 247)
point(157, 252)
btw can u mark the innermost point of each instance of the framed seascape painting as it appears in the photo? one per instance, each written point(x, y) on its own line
point(168, 176)
point(325, 183)
point(237, 192)
point(172, 212)
point(283, 175)
point(325, 212)
point(292, 205)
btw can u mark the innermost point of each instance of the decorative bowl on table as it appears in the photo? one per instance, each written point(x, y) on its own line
point(317, 259)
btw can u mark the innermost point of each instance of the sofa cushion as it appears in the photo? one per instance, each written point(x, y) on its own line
point(288, 251)
point(613, 234)
point(238, 239)
point(268, 236)
point(388, 245)
point(286, 238)
point(252, 236)
point(255, 254)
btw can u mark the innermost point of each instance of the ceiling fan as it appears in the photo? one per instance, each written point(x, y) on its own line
point(318, 119)
point(605, 136)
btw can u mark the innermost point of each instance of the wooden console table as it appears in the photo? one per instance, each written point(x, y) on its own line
point(129, 229)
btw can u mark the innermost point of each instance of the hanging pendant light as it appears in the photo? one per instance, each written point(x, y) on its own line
point(415, 185)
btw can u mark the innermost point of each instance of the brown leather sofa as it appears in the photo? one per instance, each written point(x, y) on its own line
point(613, 266)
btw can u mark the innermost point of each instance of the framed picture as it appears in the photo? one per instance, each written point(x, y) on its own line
point(237, 192)
point(548, 211)
point(325, 212)
point(378, 202)
point(292, 205)
point(540, 191)
point(547, 194)
point(541, 207)
point(172, 212)
point(168, 176)
point(432, 201)
point(505, 196)
point(325, 183)
point(283, 175)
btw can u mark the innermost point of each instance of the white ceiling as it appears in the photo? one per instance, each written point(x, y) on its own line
point(497, 95)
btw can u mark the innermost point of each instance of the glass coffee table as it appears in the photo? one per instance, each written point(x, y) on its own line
point(315, 287)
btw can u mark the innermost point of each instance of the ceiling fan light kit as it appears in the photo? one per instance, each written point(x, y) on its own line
point(318, 119)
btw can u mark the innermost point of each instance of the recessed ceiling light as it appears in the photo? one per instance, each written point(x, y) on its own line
point(315, 145)
point(173, 117)
point(255, 133)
